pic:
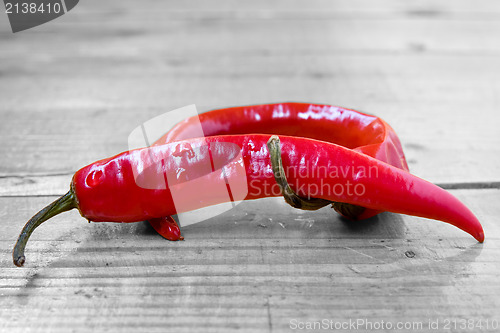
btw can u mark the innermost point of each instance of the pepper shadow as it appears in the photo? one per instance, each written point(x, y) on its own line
point(384, 225)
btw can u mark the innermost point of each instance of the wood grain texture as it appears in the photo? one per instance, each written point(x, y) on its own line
point(254, 268)
point(73, 89)
point(430, 71)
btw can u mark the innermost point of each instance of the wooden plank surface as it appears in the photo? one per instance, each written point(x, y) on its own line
point(435, 72)
point(73, 89)
point(257, 267)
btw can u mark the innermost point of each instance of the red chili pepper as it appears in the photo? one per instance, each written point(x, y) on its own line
point(167, 227)
point(349, 128)
point(361, 132)
point(113, 189)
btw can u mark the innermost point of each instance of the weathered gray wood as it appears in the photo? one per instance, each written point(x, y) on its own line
point(445, 140)
point(72, 90)
point(257, 267)
point(434, 78)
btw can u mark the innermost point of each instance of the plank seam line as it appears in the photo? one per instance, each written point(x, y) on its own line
point(469, 186)
point(37, 175)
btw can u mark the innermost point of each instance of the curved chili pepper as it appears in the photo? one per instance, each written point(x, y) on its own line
point(108, 190)
point(352, 129)
point(361, 132)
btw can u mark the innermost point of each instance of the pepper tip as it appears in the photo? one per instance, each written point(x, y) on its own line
point(480, 236)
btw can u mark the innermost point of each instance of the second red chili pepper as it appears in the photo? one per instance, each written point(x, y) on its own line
point(352, 129)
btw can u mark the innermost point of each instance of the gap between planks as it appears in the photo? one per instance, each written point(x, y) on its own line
point(49, 185)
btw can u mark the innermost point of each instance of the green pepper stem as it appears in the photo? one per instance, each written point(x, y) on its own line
point(293, 199)
point(63, 204)
point(348, 210)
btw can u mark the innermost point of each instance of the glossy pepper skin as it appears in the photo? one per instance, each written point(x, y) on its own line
point(115, 195)
point(352, 129)
point(355, 130)
point(112, 190)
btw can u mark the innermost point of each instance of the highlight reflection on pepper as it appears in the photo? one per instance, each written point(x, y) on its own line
point(277, 149)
